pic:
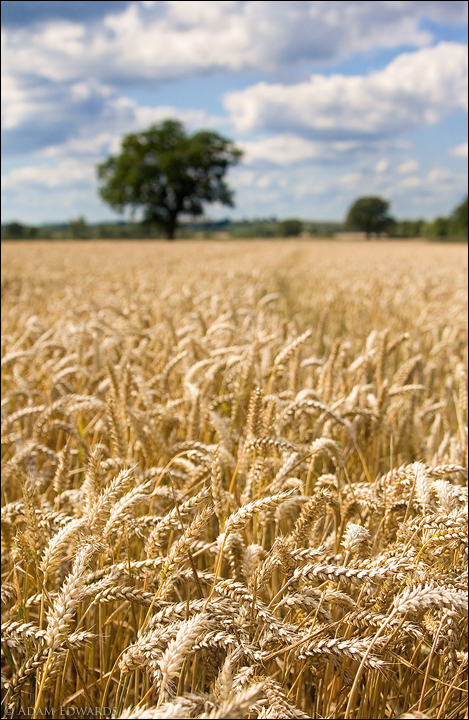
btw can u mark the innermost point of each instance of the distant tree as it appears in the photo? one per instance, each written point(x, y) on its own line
point(166, 172)
point(290, 227)
point(437, 228)
point(78, 228)
point(458, 220)
point(14, 230)
point(369, 215)
point(408, 228)
point(440, 226)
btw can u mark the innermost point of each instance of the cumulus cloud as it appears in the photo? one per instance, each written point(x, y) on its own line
point(382, 165)
point(38, 114)
point(439, 175)
point(350, 179)
point(175, 38)
point(58, 72)
point(281, 150)
point(408, 166)
point(290, 149)
point(459, 150)
point(415, 89)
point(67, 173)
point(410, 182)
point(82, 117)
point(87, 146)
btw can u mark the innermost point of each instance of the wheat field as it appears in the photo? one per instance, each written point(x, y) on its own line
point(234, 479)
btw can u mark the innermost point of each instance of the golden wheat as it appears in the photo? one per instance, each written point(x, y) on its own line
point(234, 480)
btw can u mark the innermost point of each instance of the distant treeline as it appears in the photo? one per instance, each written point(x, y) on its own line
point(120, 230)
point(453, 227)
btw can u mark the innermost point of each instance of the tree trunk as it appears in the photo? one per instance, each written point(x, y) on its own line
point(171, 228)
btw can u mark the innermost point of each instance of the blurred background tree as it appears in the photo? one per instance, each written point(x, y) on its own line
point(78, 228)
point(449, 228)
point(168, 173)
point(369, 215)
point(15, 230)
point(458, 220)
point(291, 227)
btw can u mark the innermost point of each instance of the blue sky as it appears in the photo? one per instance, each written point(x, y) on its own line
point(329, 100)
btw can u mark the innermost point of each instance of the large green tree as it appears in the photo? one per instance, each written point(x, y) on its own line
point(168, 173)
point(370, 215)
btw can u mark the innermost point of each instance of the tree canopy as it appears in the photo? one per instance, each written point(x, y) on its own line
point(167, 173)
point(369, 214)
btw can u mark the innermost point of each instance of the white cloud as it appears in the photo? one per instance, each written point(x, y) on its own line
point(304, 191)
point(281, 150)
point(350, 179)
point(40, 114)
point(88, 145)
point(438, 175)
point(68, 172)
point(175, 38)
point(245, 178)
point(288, 149)
point(381, 166)
point(82, 117)
point(263, 182)
point(408, 166)
point(414, 89)
point(57, 76)
point(410, 182)
point(459, 150)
